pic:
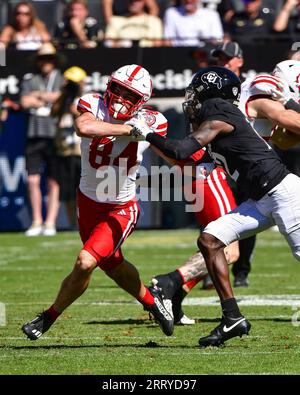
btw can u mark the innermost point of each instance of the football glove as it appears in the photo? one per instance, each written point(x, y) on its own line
point(140, 128)
point(281, 92)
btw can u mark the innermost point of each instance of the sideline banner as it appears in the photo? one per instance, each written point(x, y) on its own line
point(13, 191)
point(171, 68)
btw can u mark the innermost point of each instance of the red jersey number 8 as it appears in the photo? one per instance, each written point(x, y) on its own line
point(100, 154)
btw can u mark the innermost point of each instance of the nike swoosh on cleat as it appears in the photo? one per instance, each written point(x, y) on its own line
point(225, 329)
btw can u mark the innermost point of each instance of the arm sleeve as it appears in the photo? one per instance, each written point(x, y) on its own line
point(175, 149)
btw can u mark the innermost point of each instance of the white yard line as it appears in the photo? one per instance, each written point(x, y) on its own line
point(243, 300)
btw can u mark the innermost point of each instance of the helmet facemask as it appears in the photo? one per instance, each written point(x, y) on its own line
point(122, 101)
point(191, 105)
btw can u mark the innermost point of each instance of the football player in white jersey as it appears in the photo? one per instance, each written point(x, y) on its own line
point(106, 202)
point(270, 103)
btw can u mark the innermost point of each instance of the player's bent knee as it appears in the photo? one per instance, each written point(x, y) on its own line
point(85, 262)
point(207, 242)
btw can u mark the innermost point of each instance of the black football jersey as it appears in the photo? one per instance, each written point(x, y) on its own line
point(243, 154)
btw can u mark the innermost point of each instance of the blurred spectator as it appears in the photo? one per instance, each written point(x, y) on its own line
point(188, 23)
point(7, 104)
point(120, 8)
point(137, 26)
point(67, 142)
point(26, 31)
point(294, 55)
point(227, 8)
point(254, 22)
point(229, 55)
point(273, 5)
point(38, 92)
point(77, 28)
point(202, 56)
point(288, 19)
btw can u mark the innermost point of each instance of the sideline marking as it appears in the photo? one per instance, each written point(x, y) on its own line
point(248, 300)
point(243, 300)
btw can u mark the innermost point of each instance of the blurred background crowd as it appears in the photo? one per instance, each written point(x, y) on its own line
point(120, 23)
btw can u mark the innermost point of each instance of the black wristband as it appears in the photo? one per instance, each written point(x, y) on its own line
point(292, 105)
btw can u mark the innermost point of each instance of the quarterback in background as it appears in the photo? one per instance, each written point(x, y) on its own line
point(106, 200)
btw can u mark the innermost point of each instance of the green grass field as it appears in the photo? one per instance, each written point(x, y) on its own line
point(106, 332)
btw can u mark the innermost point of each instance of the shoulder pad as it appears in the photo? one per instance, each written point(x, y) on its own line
point(85, 103)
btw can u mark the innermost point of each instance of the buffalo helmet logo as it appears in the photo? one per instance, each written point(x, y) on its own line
point(211, 78)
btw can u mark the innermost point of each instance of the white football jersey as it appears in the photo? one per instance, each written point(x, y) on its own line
point(109, 165)
point(253, 88)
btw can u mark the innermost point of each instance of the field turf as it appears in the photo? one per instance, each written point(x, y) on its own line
point(107, 332)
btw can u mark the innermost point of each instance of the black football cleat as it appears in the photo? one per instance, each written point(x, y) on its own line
point(165, 284)
point(162, 311)
point(228, 328)
point(241, 280)
point(207, 283)
point(37, 327)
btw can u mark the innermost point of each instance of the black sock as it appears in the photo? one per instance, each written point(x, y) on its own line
point(176, 304)
point(177, 280)
point(230, 308)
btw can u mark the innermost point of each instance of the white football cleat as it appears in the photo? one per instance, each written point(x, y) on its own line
point(184, 320)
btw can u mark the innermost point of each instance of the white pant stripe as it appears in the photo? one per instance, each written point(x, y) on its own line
point(131, 223)
point(221, 189)
point(216, 195)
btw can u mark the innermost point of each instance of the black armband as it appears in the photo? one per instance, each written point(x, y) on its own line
point(292, 105)
point(175, 149)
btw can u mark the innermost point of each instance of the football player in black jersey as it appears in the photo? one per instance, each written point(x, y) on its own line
point(270, 193)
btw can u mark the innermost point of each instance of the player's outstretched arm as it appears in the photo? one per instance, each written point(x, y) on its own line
point(183, 149)
point(88, 126)
point(275, 112)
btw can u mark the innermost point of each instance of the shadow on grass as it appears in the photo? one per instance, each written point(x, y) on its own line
point(150, 344)
point(198, 321)
point(119, 322)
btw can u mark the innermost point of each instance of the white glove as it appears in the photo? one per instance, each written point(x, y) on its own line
point(140, 129)
point(281, 92)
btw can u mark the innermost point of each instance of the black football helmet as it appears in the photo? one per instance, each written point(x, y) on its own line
point(208, 83)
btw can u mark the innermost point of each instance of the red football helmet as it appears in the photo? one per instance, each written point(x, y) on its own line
point(127, 90)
